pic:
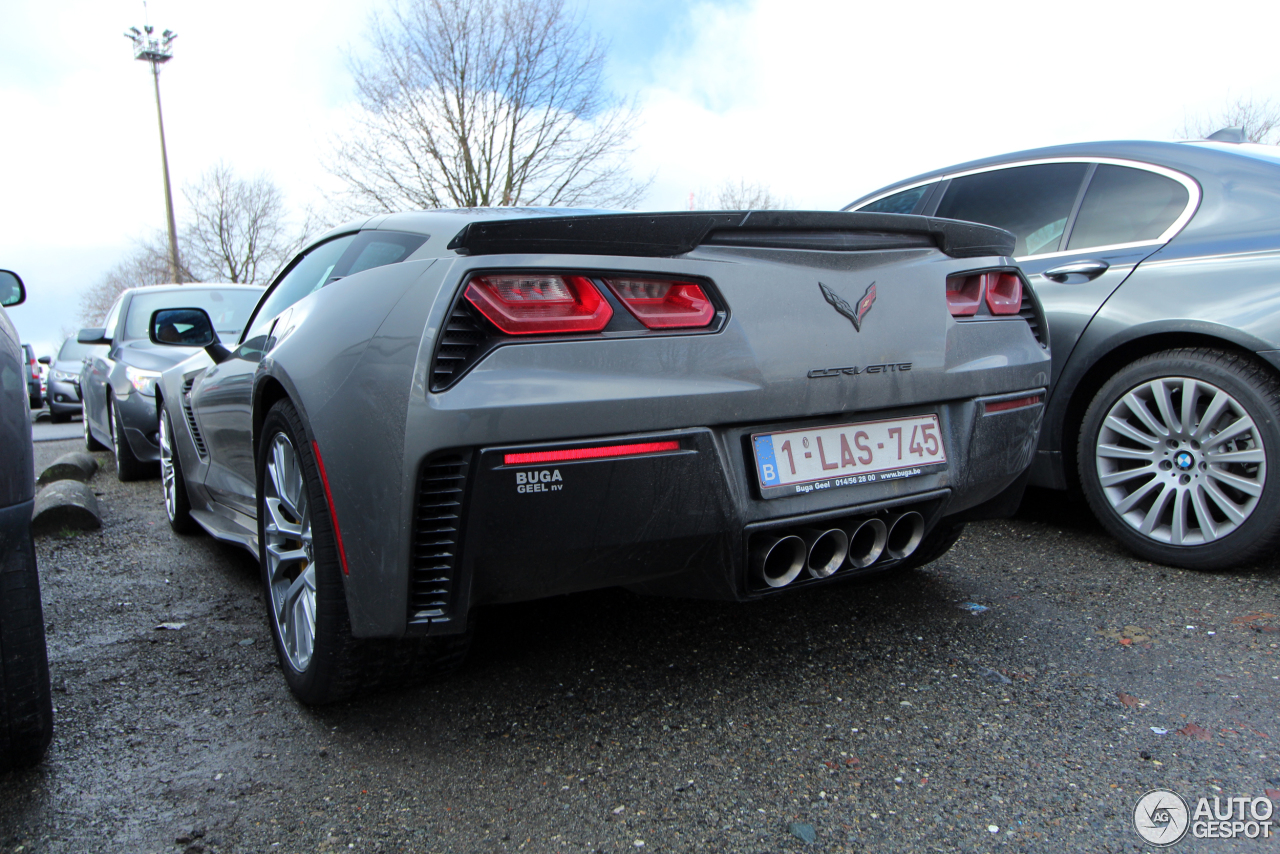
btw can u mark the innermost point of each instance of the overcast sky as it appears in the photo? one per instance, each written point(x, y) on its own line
point(819, 101)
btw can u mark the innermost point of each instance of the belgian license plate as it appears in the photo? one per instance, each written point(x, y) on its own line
point(847, 454)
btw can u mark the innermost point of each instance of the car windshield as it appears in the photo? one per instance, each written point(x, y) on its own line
point(228, 309)
point(73, 351)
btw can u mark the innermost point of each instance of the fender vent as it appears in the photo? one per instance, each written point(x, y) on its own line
point(191, 419)
point(461, 343)
point(437, 536)
point(1028, 313)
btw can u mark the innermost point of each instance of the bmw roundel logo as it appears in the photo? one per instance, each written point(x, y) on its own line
point(1184, 460)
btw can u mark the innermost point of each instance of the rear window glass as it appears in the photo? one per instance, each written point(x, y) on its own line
point(1125, 205)
point(228, 309)
point(900, 203)
point(1033, 202)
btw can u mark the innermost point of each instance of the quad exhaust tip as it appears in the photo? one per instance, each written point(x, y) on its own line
point(825, 550)
point(866, 542)
point(906, 530)
point(778, 560)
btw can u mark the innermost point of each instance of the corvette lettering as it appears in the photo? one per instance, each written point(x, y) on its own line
point(853, 371)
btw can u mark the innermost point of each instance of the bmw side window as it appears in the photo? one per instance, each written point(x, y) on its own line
point(1126, 205)
point(899, 203)
point(1034, 202)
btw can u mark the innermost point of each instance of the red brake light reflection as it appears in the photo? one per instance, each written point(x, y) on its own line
point(1004, 293)
point(597, 453)
point(527, 304)
point(664, 304)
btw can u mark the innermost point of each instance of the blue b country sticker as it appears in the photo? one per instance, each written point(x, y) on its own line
point(764, 460)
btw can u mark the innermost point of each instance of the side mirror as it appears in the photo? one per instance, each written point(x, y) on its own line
point(45, 360)
point(93, 335)
point(186, 327)
point(11, 290)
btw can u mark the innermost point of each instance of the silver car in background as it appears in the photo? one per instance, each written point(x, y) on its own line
point(117, 379)
point(1158, 264)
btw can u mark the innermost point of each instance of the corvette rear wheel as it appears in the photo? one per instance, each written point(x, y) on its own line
point(306, 597)
point(90, 443)
point(128, 466)
point(1178, 458)
point(177, 504)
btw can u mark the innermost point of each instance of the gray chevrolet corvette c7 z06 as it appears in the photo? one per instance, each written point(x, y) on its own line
point(432, 411)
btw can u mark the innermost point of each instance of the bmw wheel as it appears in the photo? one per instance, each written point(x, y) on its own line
point(1178, 458)
point(177, 504)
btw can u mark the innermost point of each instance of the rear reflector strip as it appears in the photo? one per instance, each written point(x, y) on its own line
point(1015, 403)
point(589, 453)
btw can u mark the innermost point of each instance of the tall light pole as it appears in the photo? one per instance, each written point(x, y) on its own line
point(157, 51)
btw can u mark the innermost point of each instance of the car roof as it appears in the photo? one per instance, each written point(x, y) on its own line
point(1193, 158)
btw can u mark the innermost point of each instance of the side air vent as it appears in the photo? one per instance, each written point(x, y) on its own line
point(191, 419)
point(461, 343)
point(437, 535)
point(1028, 313)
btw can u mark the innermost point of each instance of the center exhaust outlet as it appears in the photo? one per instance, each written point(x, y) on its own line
point(825, 550)
point(778, 560)
point(866, 542)
point(906, 530)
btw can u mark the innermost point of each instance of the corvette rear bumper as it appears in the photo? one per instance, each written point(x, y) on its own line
point(678, 514)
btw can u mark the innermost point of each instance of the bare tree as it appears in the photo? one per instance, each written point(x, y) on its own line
point(1260, 121)
point(477, 103)
point(237, 230)
point(741, 196)
point(147, 265)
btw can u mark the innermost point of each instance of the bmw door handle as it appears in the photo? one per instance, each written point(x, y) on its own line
point(1090, 270)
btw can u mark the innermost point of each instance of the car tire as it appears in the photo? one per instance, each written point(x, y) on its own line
point(90, 443)
point(26, 708)
point(35, 401)
point(128, 466)
point(59, 417)
point(1152, 480)
point(302, 579)
point(173, 485)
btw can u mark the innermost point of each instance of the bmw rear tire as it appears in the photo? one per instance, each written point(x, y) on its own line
point(1179, 458)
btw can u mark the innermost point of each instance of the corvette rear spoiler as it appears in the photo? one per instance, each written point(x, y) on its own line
point(666, 234)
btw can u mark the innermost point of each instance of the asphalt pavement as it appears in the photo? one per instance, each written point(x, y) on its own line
point(44, 430)
point(1020, 694)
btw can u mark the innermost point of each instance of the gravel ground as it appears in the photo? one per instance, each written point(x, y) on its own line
point(886, 717)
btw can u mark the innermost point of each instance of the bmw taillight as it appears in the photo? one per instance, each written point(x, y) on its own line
point(664, 303)
point(1000, 289)
point(528, 304)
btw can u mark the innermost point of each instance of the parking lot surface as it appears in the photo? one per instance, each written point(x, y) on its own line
point(1020, 694)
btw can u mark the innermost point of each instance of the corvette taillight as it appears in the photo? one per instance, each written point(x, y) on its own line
point(1004, 293)
point(538, 303)
point(964, 294)
point(1001, 289)
point(664, 303)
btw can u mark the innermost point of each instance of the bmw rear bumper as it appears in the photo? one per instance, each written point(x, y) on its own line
point(682, 521)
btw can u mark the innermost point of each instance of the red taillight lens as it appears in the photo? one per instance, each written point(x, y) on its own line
point(598, 453)
point(964, 294)
point(1004, 293)
point(664, 303)
point(529, 304)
